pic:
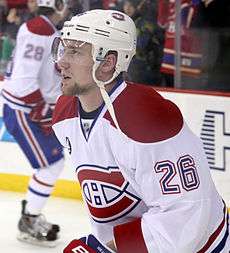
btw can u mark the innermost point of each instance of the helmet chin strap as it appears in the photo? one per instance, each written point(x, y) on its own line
point(104, 93)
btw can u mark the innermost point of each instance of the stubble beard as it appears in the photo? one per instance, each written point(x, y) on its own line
point(76, 90)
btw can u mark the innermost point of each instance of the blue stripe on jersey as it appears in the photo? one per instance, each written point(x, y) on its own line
point(39, 193)
point(222, 243)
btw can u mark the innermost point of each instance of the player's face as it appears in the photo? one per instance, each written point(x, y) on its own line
point(76, 66)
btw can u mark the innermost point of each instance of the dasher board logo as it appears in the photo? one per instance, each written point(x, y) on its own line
point(216, 139)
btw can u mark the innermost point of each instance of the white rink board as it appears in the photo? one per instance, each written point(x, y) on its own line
point(195, 108)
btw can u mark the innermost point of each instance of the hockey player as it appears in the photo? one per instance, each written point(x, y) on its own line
point(30, 91)
point(143, 173)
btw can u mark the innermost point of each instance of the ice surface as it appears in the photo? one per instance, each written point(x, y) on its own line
point(69, 214)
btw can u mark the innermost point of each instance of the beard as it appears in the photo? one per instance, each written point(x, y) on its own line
point(75, 89)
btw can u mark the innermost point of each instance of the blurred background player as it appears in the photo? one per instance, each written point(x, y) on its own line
point(143, 173)
point(31, 87)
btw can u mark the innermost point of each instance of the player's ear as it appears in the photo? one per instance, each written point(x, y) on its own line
point(107, 67)
point(109, 63)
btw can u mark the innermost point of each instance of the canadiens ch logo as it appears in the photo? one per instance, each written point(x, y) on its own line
point(106, 192)
point(118, 16)
point(216, 139)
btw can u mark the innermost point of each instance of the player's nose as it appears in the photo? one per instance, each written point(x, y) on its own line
point(62, 63)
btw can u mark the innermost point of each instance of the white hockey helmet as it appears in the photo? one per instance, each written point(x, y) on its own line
point(106, 30)
point(53, 4)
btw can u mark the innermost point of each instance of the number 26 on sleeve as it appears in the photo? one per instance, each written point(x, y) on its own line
point(185, 168)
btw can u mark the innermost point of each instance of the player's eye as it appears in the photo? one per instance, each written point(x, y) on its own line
point(71, 51)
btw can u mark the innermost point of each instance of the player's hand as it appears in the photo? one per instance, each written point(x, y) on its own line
point(42, 114)
point(87, 244)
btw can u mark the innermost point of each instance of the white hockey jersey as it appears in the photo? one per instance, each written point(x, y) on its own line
point(148, 187)
point(32, 74)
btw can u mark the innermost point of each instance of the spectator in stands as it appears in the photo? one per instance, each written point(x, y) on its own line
point(73, 7)
point(19, 15)
point(191, 49)
point(14, 21)
point(145, 66)
point(15, 18)
point(18, 4)
point(113, 4)
point(95, 4)
point(85, 4)
point(205, 38)
point(214, 20)
point(3, 14)
point(6, 48)
point(31, 10)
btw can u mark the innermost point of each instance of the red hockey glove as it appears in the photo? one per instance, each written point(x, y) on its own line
point(88, 244)
point(42, 114)
point(77, 246)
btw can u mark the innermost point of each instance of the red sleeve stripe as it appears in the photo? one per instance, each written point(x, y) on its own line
point(129, 237)
point(216, 233)
point(33, 97)
point(30, 99)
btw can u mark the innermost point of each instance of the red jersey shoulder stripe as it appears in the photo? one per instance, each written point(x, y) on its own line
point(66, 108)
point(40, 26)
point(145, 116)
